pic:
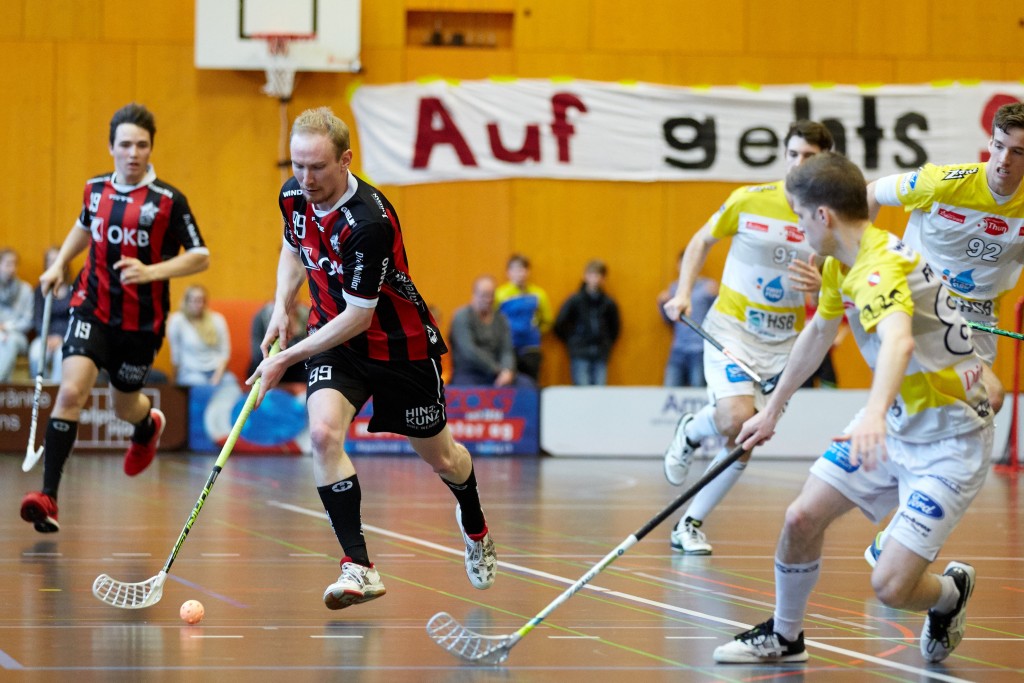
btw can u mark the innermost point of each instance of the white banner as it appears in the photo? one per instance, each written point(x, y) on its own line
point(640, 421)
point(482, 130)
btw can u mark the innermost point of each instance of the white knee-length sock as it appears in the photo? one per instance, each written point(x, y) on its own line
point(703, 425)
point(793, 586)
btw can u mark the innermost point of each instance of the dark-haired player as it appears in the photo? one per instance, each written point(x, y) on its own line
point(134, 226)
point(757, 315)
point(370, 334)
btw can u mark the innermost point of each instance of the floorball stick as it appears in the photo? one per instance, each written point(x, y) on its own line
point(994, 330)
point(147, 593)
point(767, 385)
point(474, 647)
point(32, 454)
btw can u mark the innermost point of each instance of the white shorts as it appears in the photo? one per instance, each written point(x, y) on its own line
point(931, 484)
point(725, 378)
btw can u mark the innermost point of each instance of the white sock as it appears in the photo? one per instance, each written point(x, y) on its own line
point(948, 597)
point(711, 495)
point(793, 586)
point(702, 425)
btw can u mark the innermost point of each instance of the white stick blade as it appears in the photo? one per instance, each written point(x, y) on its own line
point(466, 644)
point(129, 595)
point(31, 458)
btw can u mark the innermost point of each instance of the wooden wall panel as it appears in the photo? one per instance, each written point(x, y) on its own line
point(29, 159)
point(946, 69)
point(383, 27)
point(62, 20)
point(563, 26)
point(458, 62)
point(792, 27)
point(891, 29)
point(857, 71)
point(677, 26)
point(151, 21)
point(13, 25)
point(592, 66)
point(730, 70)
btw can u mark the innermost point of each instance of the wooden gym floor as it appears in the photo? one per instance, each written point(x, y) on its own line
point(261, 553)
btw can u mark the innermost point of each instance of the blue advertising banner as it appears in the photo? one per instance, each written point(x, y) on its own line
point(279, 425)
point(487, 420)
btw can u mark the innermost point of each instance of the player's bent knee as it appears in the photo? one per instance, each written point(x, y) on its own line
point(890, 590)
point(71, 398)
point(324, 438)
point(799, 522)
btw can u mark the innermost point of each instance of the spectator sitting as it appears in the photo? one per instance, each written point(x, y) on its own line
point(199, 339)
point(588, 323)
point(60, 314)
point(685, 366)
point(482, 352)
point(300, 314)
point(528, 311)
point(15, 313)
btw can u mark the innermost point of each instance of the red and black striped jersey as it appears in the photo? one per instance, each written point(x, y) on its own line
point(151, 222)
point(355, 255)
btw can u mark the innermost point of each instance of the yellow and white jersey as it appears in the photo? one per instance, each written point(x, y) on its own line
point(756, 300)
point(942, 394)
point(974, 242)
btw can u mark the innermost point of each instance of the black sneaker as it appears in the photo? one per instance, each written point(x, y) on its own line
point(943, 632)
point(762, 645)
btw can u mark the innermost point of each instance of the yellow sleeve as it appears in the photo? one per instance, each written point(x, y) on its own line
point(916, 190)
point(830, 301)
point(726, 222)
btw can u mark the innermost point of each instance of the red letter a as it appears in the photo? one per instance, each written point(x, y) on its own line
point(447, 133)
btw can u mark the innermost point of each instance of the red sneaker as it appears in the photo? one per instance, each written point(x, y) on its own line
point(41, 510)
point(139, 456)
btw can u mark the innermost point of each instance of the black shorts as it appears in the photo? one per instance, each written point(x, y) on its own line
point(126, 356)
point(408, 396)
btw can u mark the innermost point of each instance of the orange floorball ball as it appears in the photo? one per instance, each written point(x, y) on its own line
point(192, 611)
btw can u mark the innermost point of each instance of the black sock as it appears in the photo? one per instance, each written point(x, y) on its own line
point(341, 501)
point(469, 500)
point(144, 430)
point(58, 442)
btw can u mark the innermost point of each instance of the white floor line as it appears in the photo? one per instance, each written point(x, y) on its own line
point(923, 673)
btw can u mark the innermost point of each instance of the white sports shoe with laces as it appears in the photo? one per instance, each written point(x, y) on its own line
point(481, 558)
point(355, 585)
point(679, 453)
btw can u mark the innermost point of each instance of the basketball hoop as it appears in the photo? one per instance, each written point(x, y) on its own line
point(280, 66)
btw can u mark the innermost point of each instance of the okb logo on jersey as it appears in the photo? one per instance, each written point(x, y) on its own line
point(115, 234)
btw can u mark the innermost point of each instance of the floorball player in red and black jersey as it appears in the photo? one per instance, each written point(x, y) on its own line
point(370, 335)
point(134, 226)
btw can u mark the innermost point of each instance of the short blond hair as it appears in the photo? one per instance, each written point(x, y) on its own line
point(322, 121)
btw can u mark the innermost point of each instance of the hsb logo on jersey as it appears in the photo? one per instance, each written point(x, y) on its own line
point(995, 226)
point(794, 234)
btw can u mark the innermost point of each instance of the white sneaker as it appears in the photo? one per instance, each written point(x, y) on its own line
point(762, 645)
point(481, 558)
point(687, 538)
point(679, 453)
point(355, 585)
point(943, 632)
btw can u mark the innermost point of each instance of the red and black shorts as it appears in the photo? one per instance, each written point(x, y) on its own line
point(127, 356)
point(408, 396)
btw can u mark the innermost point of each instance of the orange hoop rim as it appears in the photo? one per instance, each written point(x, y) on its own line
point(277, 43)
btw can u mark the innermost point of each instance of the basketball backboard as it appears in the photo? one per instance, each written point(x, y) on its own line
point(228, 33)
